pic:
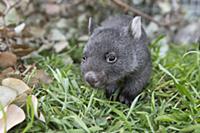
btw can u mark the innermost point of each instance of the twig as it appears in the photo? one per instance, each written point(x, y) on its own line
point(9, 7)
point(138, 12)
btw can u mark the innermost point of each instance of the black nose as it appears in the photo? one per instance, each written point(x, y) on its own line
point(91, 78)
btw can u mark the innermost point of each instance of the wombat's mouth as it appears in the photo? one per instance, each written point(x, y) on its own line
point(97, 85)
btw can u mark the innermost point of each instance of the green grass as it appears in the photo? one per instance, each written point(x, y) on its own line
point(170, 102)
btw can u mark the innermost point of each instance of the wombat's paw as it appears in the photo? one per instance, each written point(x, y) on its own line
point(109, 94)
point(110, 90)
point(124, 99)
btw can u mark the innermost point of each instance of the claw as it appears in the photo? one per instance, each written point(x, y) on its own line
point(125, 100)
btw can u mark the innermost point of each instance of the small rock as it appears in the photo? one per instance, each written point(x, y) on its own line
point(60, 46)
point(62, 23)
point(83, 38)
point(66, 59)
point(37, 31)
point(51, 9)
point(188, 34)
point(56, 35)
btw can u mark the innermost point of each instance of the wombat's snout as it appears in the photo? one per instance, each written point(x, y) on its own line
point(91, 78)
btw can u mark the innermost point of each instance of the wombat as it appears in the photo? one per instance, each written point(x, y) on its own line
point(116, 56)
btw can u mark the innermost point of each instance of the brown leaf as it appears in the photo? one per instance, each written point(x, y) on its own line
point(43, 76)
point(11, 72)
point(40, 77)
point(22, 50)
point(8, 71)
point(7, 59)
point(7, 32)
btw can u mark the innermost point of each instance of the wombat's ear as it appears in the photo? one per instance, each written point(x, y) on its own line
point(91, 26)
point(135, 27)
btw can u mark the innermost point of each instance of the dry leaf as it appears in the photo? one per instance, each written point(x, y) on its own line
point(7, 32)
point(35, 106)
point(6, 72)
point(40, 77)
point(7, 95)
point(18, 29)
point(20, 100)
point(43, 76)
point(41, 117)
point(22, 50)
point(14, 116)
point(16, 84)
point(7, 59)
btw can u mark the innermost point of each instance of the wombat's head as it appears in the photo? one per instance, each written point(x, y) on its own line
point(110, 54)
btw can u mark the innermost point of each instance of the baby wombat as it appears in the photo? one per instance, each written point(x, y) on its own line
point(116, 56)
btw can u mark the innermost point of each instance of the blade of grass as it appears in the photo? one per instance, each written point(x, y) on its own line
point(149, 122)
point(183, 90)
point(80, 123)
point(30, 113)
point(132, 106)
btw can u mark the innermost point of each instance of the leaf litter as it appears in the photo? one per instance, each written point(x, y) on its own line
point(11, 92)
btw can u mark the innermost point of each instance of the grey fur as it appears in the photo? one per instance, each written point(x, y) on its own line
point(132, 69)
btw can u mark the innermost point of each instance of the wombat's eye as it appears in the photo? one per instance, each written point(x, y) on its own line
point(84, 59)
point(111, 57)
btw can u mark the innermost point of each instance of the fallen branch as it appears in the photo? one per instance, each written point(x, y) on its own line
point(126, 7)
